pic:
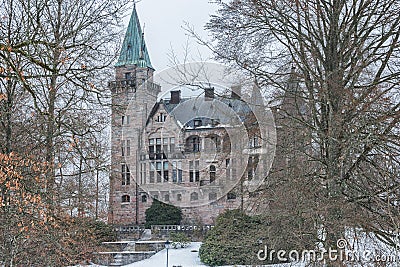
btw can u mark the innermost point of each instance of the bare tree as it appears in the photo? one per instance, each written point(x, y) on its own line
point(346, 58)
point(55, 57)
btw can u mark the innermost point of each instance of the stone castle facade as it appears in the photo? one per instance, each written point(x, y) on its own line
point(187, 151)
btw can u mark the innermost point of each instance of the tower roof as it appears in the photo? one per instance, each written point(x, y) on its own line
point(134, 50)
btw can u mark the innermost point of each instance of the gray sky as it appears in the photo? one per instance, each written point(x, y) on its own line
point(164, 20)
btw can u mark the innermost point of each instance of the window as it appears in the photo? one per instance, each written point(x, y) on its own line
point(198, 123)
point(214, 122)
point(253, 142)
point(179, 197)
point(155, 149)
point(152, 172)
point(165, 171)
point(193, 144)
point(228, 168)
point(172, 144)
point(128, 147)
point(212, 196)
point(144, 198)
point(212, 143)
point(159, 152)
point(252, 167)
point(125, 148)
point(177, 172)
point(161, 117)
point(155, 196)
point(197, 172)
point(194, 173)
point(158, 166)
point(125, 199)
point(166, 198)
point(159, 171)
point(165, 145)
point(212, 173)
point(128, 76)
point(152, 149)
point(194, 196)
point(143, 173)
point(250, 174)
point(231, 196)
point(125, 175)
point(125, 120)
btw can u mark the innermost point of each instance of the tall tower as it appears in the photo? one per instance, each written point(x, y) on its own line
point(133, 96)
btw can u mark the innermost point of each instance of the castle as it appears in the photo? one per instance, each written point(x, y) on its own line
point(187, 151)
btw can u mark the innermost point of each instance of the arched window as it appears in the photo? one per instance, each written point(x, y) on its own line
point(126, 199)
point(193, 144)
point(194, 196)
point(212, 173)
point(144, 198)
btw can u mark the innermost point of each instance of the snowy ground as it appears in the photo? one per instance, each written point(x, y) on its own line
point(185, 257)
point(357, 243)
point(176, 257)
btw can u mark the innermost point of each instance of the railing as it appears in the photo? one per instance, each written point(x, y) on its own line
point(136, 228)
point(181, 227)
point(122, 84)
point(129, 228)
point(131, 84)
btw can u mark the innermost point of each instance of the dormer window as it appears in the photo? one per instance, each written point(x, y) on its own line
point(214, 122)
point(197, 123)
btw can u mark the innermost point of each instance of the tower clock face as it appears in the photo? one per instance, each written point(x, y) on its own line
point(200, 139)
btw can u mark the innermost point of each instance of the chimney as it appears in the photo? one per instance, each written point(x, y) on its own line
point(236, 91)
point(175, 97)
point(209, 94)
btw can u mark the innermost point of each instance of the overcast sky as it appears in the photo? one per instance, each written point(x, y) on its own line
point(164, 20)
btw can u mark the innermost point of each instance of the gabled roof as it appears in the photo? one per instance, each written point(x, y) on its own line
point(134, 50)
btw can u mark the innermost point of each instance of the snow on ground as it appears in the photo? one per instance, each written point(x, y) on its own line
point(357, 240)
point(176, 257)
point(185, 257)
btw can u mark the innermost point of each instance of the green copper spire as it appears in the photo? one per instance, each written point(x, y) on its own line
point(134, 51)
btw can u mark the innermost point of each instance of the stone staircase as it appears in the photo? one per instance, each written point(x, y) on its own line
point(125, 252)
